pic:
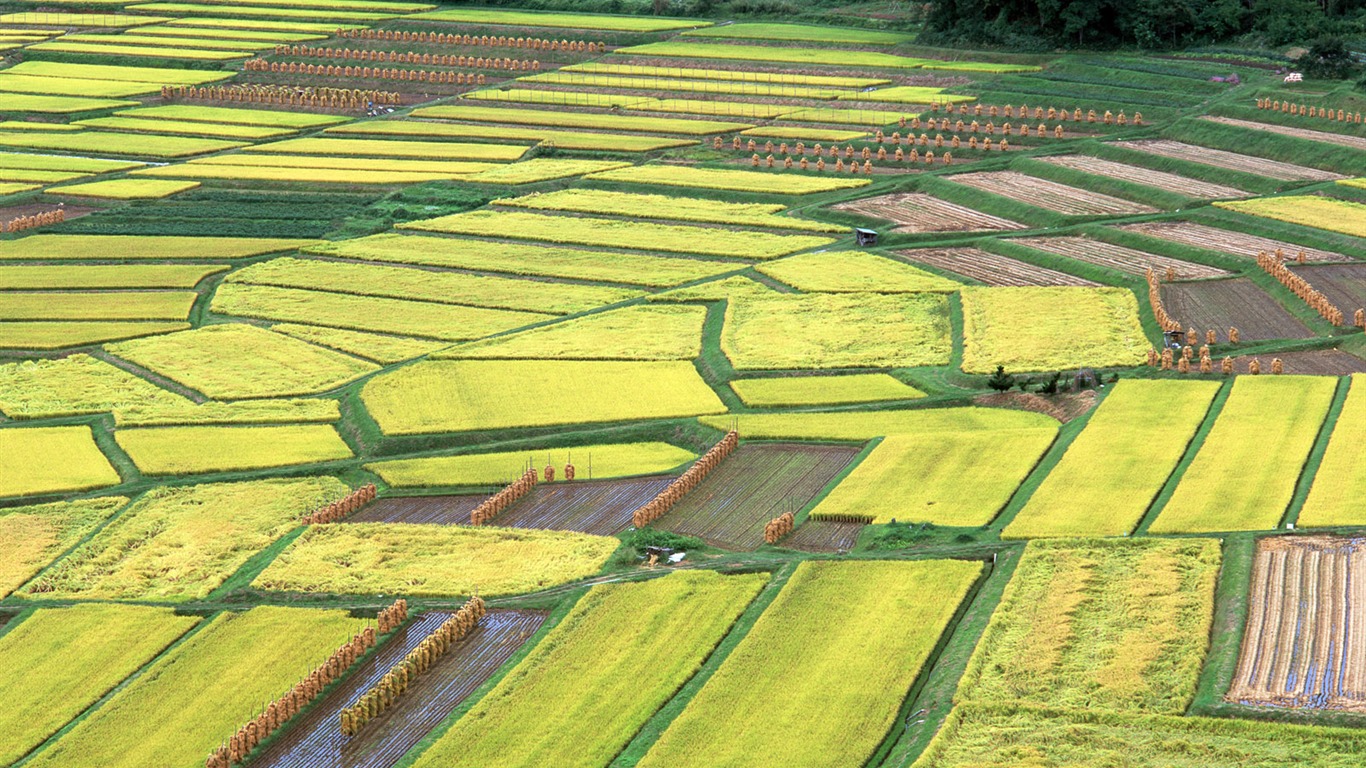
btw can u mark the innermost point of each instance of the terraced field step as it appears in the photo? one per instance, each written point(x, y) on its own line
point(1118, 257)
point(756, 484)
point(1227, 241)
point(916, 212)
point(1233, 161)
point(1237, 303)
point(823, 536)
point(991, 268)
point(316, 740)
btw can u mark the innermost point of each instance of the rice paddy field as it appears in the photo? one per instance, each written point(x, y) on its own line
point(389, 384)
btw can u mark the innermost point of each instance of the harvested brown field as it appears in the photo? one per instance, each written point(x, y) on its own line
point(432, 510)
point(1304, 646)
point(602, 507)
point(1312, 362)
point(1170, 182)
point(990, 268)
point(1226, 241)
point(1343, 284)
point(1343, 140)
point(1120, 258)
point(315, 739)
point(1042, 193)
point(1233, 161)
point(759, 482)
point(916, 212)
point(823, 536)
point(1236, 303)
point(1064, 406)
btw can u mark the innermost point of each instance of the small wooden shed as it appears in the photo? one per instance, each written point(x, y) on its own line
point(865, 237)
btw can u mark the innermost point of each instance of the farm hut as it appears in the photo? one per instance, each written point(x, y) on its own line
point(865, 237)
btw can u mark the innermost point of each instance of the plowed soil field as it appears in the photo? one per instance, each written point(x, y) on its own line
point(915, 212)
point(1305, 645)
point(1121, 258)
point(823, 536)
point(1343, 284)
point(1236, 303)
point(316, 741)
point(1355, 142)
point(1225, 241)
point(1169, 182)
point(1314, 362)
point(1232, 161)
point(756, 484)
point(433, 510)
point(1042, 193)
point(990, 268)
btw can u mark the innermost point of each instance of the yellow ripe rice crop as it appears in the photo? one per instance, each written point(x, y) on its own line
point(125, 189)
point(1334, 498)
point(69, 86)
point(796, 661)
point(740, 109)
point(823, 390)
point(196, 450)
point(567, 20)
point(58, 276)
point(564, 98)
point(35, 535)
point(1050, 328)
point(615, 233)
point(463, 395)
point(195, 697)
point(617, 658)
point(45, 334)
point(102, 305)
point(828, 57)
point(320, 14)
point(15, 178)
point(543, 169)
point(57, 105)
point(433, 560)
point(72, 386)
point(943, 478)
point(38, 460)
point(804, 134)
point(449, 322)
point(78, 19)
point(99, 142)
point(725, 289)
point(773, 183)
point(236, 361)
point(863, 425)
point(160, 75)
point(269, 24)
point(1308, 210)
point(656, 84)
point(642, 332)
point(179, 543)
point(425, 150)
point(14, 188)
point(1100, 624)
point(603, 142)
point(607, 461)
point(210, 32)
point(855, 330)
point(381, 348)
point(445, 168)
point(1231, 485)
point(667, 207)
point(847, 116)
point(132, 38)
point(424, 285)
point(854, 272)
point(522, 259)
point(271, 118)
point(78, 247)
point(636, 70)
point(61, 660)
point(150, 51)
point(802, 33)
point(184, 128)
point(910, 94)
point(971, 738)
point(302, 175)
point(1116, 467)
point(186, 413)
point(563, 119)
point(12, 160)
